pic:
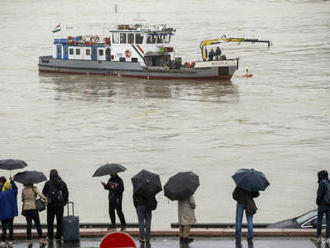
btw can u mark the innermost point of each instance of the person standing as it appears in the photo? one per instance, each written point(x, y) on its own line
point(323, 206)
point(30, 211)
point(218, 53)
point(211, 54)
point(144, 206)
point(8, 210)
point(115, 186)
point(57, 195)
point(245, 203)
point(186, 214)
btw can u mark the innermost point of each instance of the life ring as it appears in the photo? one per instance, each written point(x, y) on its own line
point(128, 53)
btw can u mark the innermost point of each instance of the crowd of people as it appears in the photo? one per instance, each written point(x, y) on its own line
point(55, 194)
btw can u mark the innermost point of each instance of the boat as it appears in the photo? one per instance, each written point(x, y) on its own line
point(138, 51)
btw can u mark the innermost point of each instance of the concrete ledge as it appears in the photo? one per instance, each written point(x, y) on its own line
point(218, 232)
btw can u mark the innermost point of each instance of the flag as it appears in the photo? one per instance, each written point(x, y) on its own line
point(57, 28)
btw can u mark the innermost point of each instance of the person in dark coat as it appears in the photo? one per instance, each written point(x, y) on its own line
point(244, 201)
point(211, 54)
point(322, 207)
point(144, 206)
point(8, 210)
point(218, 53)
point(57, 194)
point(115, 186)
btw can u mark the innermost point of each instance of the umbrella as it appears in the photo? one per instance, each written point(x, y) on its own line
point(12, 164)
point(250, 179)
point(30, 177)
point(146, 183)
point(181, 185)
point(108, 169)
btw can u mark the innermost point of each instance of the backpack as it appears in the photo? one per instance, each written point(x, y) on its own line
point(326, 196)
point(55, 195)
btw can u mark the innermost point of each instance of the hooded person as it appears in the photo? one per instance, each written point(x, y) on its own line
point(8, 210)
point(57, 194)
point(323, 207)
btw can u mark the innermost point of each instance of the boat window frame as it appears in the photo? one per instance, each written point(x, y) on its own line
point(153, 38)
point(88, 52)
point(160, 39)
point(101, 52)
point(71, 51)
point(128, 39)
point(115, 38)
point(77, 51)
point(123, 38)
point(141, 38)
point(167, 38)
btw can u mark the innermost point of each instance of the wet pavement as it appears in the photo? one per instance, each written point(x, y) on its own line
point(164, 242)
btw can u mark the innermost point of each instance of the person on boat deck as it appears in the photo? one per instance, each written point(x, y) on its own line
point(211, 54)
point(218, 53)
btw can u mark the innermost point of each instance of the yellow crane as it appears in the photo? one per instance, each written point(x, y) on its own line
point(223, 39)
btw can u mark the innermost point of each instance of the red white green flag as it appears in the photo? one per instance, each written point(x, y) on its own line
point(57, 28)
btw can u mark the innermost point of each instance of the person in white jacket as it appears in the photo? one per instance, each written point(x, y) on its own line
point(186, 212)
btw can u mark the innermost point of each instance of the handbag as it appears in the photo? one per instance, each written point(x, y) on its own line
point(251, 207)
point(40, 205)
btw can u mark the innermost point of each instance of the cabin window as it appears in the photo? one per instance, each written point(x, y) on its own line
point(71, 51)
point(138, 38)
point(167, 38)
point(65, 51)
point(77, 51)
point(88, 52)
point(115, 38)
point(151, 39)
point(123, 38)
point(59, 49)
point(160, 39)
point(130, 38)
point(101, 52)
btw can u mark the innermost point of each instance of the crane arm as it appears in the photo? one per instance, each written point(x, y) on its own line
point(223, 39)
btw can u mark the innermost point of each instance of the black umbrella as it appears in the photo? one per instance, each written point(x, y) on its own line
point(146, 183)
point(250, 179)
point(108, 169)
point(12, 164)
point(181, 185)
point(30, 177)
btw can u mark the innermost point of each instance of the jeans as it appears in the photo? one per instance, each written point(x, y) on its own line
point(7, 223)
point(239, 216)
point(30, 215)
point(116, 206)
point(51, 213)
point(321, 210)
point(144, 217)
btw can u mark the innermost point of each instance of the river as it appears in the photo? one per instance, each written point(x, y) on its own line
point(278, 121)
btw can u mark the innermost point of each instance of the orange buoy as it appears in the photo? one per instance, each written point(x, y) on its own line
point(247, 75)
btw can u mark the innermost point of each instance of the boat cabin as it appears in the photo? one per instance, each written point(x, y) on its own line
point(149, 46)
